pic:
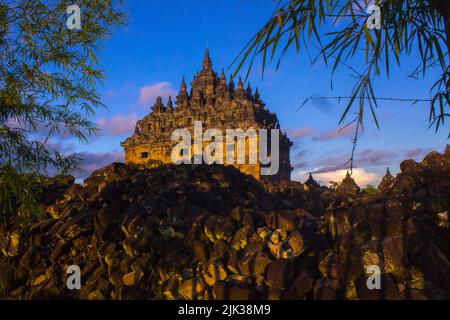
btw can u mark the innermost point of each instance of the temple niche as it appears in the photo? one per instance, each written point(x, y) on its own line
point(217, 103)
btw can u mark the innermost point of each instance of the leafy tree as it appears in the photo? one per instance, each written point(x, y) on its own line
point(48, 79)
point(417, 29)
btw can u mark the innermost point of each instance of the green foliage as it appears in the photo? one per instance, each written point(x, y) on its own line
point(48, 80)
point(19, 194)
point(370, 190)
point(337, 28)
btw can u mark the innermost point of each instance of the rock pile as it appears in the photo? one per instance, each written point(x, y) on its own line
point(210, 232)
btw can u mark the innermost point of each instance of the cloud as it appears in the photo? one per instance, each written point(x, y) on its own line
point(298, 159)
point(417, 153)
point(148, 94)
point(370, 157)
point(345, 131)
point(332, 167)
point(300, 165)
point(90, 160)
point(299, 133)
point(39, 131)
point(338, 163)
point(335, 166)
point(118, 124)
point(95, 160)
point(63, 147)
point(360, 175)
point(363, 158)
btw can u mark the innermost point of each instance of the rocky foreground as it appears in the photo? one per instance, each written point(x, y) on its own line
point(210, 232)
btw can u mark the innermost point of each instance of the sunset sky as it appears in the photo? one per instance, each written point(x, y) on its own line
point(165, 40)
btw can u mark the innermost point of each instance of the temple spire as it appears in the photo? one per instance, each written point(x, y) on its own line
point(240, 92)
point(170, 104)
point(231, 84)
point(311, 182)
point(256, 93)
point(386, 182)
point(206, 60)
point(348, 185)
point(222, 87)
point(158, 107)
point(182, 97)
point(183, 85)
point(240, 85)
point(248, 91)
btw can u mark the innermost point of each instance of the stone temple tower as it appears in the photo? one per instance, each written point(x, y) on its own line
point(217, 103)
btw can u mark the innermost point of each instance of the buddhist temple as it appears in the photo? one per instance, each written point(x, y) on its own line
point(217, 103)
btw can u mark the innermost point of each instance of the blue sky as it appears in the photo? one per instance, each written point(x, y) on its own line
point(165, 40)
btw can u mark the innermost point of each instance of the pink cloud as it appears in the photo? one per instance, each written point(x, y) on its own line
point(360, 175)
point(344, 131)
point(149, 93)
point(118, 124)
point(95, 160)
point(90, 161)
point(417, 153)
point(363, 158)
point(299, 133)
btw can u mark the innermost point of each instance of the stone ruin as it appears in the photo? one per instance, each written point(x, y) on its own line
point(211, 232)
